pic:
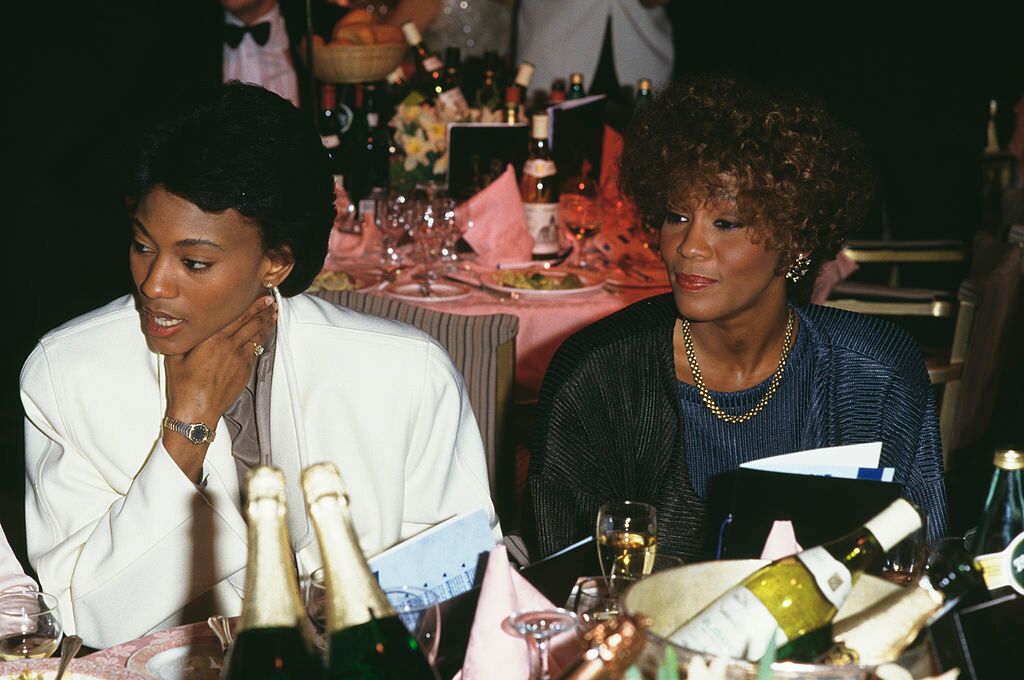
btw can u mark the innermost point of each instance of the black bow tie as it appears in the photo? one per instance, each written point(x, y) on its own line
point(233, 33)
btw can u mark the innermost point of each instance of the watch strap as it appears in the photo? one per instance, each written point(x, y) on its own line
point(186, 430)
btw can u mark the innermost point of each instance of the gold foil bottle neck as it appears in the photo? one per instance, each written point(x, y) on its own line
point(1009, 460)
point(271, 587)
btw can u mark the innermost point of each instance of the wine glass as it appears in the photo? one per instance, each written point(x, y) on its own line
point(627, 534)
point(904, 562)
point(30, 625)
point(389, 218)
point(594, 601)
point(345, 211)
point(428, 235)
point(420, 612)
point(579, 213)
point(537, 628)
point(316, 607)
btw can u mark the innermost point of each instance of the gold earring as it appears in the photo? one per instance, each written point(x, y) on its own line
point(799, 268)
point(268, 285)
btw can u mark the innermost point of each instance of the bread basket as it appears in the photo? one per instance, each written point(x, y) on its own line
point(356, 63)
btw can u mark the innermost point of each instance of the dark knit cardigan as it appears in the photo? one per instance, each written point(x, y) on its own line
point(609, 421)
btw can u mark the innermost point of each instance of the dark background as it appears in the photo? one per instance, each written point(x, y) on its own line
point(83, 77)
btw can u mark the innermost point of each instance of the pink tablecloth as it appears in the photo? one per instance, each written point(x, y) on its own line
point(118, 655)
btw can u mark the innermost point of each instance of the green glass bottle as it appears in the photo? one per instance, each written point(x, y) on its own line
point(365, 638)
point(270, 642)
point(998, 544)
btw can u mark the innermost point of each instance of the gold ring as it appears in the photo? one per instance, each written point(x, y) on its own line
point(257, 349)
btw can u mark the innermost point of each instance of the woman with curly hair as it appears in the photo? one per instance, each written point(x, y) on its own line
point(753, 191)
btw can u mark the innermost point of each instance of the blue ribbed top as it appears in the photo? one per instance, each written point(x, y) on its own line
point(714, 446)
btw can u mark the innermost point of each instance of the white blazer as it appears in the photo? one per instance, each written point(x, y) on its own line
point(129, 545)
point(565, 37)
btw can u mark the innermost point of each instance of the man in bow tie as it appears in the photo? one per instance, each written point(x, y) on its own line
point(256, 47)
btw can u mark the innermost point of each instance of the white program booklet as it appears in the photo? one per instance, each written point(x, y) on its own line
point(852, 461)
point(442, 558)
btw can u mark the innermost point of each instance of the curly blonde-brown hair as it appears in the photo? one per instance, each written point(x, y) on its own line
point(800, 179)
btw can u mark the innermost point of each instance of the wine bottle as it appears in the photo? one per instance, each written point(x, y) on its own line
point(539, 192)
point(366, 145)
point(365, 638)
point(488, 95)
point(397, 85)
point(330, 125)
point(880, 633)
point(576, 90)
point(430, 70)
point(270, 642)
point(998, 543)
point(524, 75)
point(512, 98)
point(452, 72)
point(796, 594)
point(643, 96)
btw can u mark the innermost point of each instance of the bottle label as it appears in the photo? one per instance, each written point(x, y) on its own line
point(453, 102)
point(1005, 568)
point(539, 167)
point(432, 63)
point(330, 141)
point(735, 626)
point(542, 223)
point(833, 578)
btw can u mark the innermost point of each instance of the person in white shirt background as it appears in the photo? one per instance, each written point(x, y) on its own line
point(256, 47)
point(632, 37)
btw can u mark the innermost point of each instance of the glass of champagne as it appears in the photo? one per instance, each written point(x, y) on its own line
point(420, 612)
point(537, 628)
point(316, 607)
point(627, 536)
point(29, 625)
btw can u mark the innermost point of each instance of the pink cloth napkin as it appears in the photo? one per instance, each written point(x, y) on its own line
point(498, 231)
point(781, 541)
point(12, 576)
point(831, 273)
point(491, 652)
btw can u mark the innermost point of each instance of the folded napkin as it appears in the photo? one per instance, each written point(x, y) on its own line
point(497, 223)
point(349, 241)
point(781, 541)
point(491, 652)
point(831, 273)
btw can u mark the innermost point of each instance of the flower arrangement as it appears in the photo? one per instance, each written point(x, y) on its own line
point(421, 140)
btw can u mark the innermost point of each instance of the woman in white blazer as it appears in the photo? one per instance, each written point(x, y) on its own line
point(142, 416)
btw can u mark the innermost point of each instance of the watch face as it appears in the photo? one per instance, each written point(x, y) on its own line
point(198, 433)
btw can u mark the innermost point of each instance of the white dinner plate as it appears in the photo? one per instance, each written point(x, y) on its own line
point(440, 291)
point(591, 282)
point(80, 669)
point(623, 279)
point(189, 658)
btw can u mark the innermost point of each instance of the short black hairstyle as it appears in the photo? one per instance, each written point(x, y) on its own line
point(241, 147)
point(799, 176)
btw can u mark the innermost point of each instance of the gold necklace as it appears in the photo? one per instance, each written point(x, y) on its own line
point(698, 380)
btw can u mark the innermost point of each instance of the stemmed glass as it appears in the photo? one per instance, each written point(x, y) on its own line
point(579, 213)
point(389, 216)
point(316, 607)
point(905, 562)
point(30, 625)
point(593, 600)
point(537, 628)
point(627, 535)
point(420, 612)
point(428, 234)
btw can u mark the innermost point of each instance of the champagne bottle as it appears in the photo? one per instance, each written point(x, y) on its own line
point(365, 638)
point(880, 633)
point(452, 71)
point(998, 543)
point(430, 70)
point(538, 189)
point(576, 90)
point(270, 642)
point(796, 594)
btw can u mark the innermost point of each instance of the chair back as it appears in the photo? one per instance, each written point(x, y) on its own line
point(482, 349)
point(988, 300)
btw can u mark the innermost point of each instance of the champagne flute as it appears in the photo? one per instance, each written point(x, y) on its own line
point(537, 628)
point(420, 612)
point(316, 607)
point(30, 625)
point(579, 213)
point(627, 534)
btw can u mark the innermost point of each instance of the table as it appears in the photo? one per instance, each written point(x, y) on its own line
point(544, 323)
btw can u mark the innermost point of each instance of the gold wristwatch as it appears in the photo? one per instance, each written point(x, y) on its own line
point(197, 433)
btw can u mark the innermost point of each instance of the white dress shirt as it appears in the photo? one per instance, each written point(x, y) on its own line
point(129, 545)
point(268, 65)
point(565, 37)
